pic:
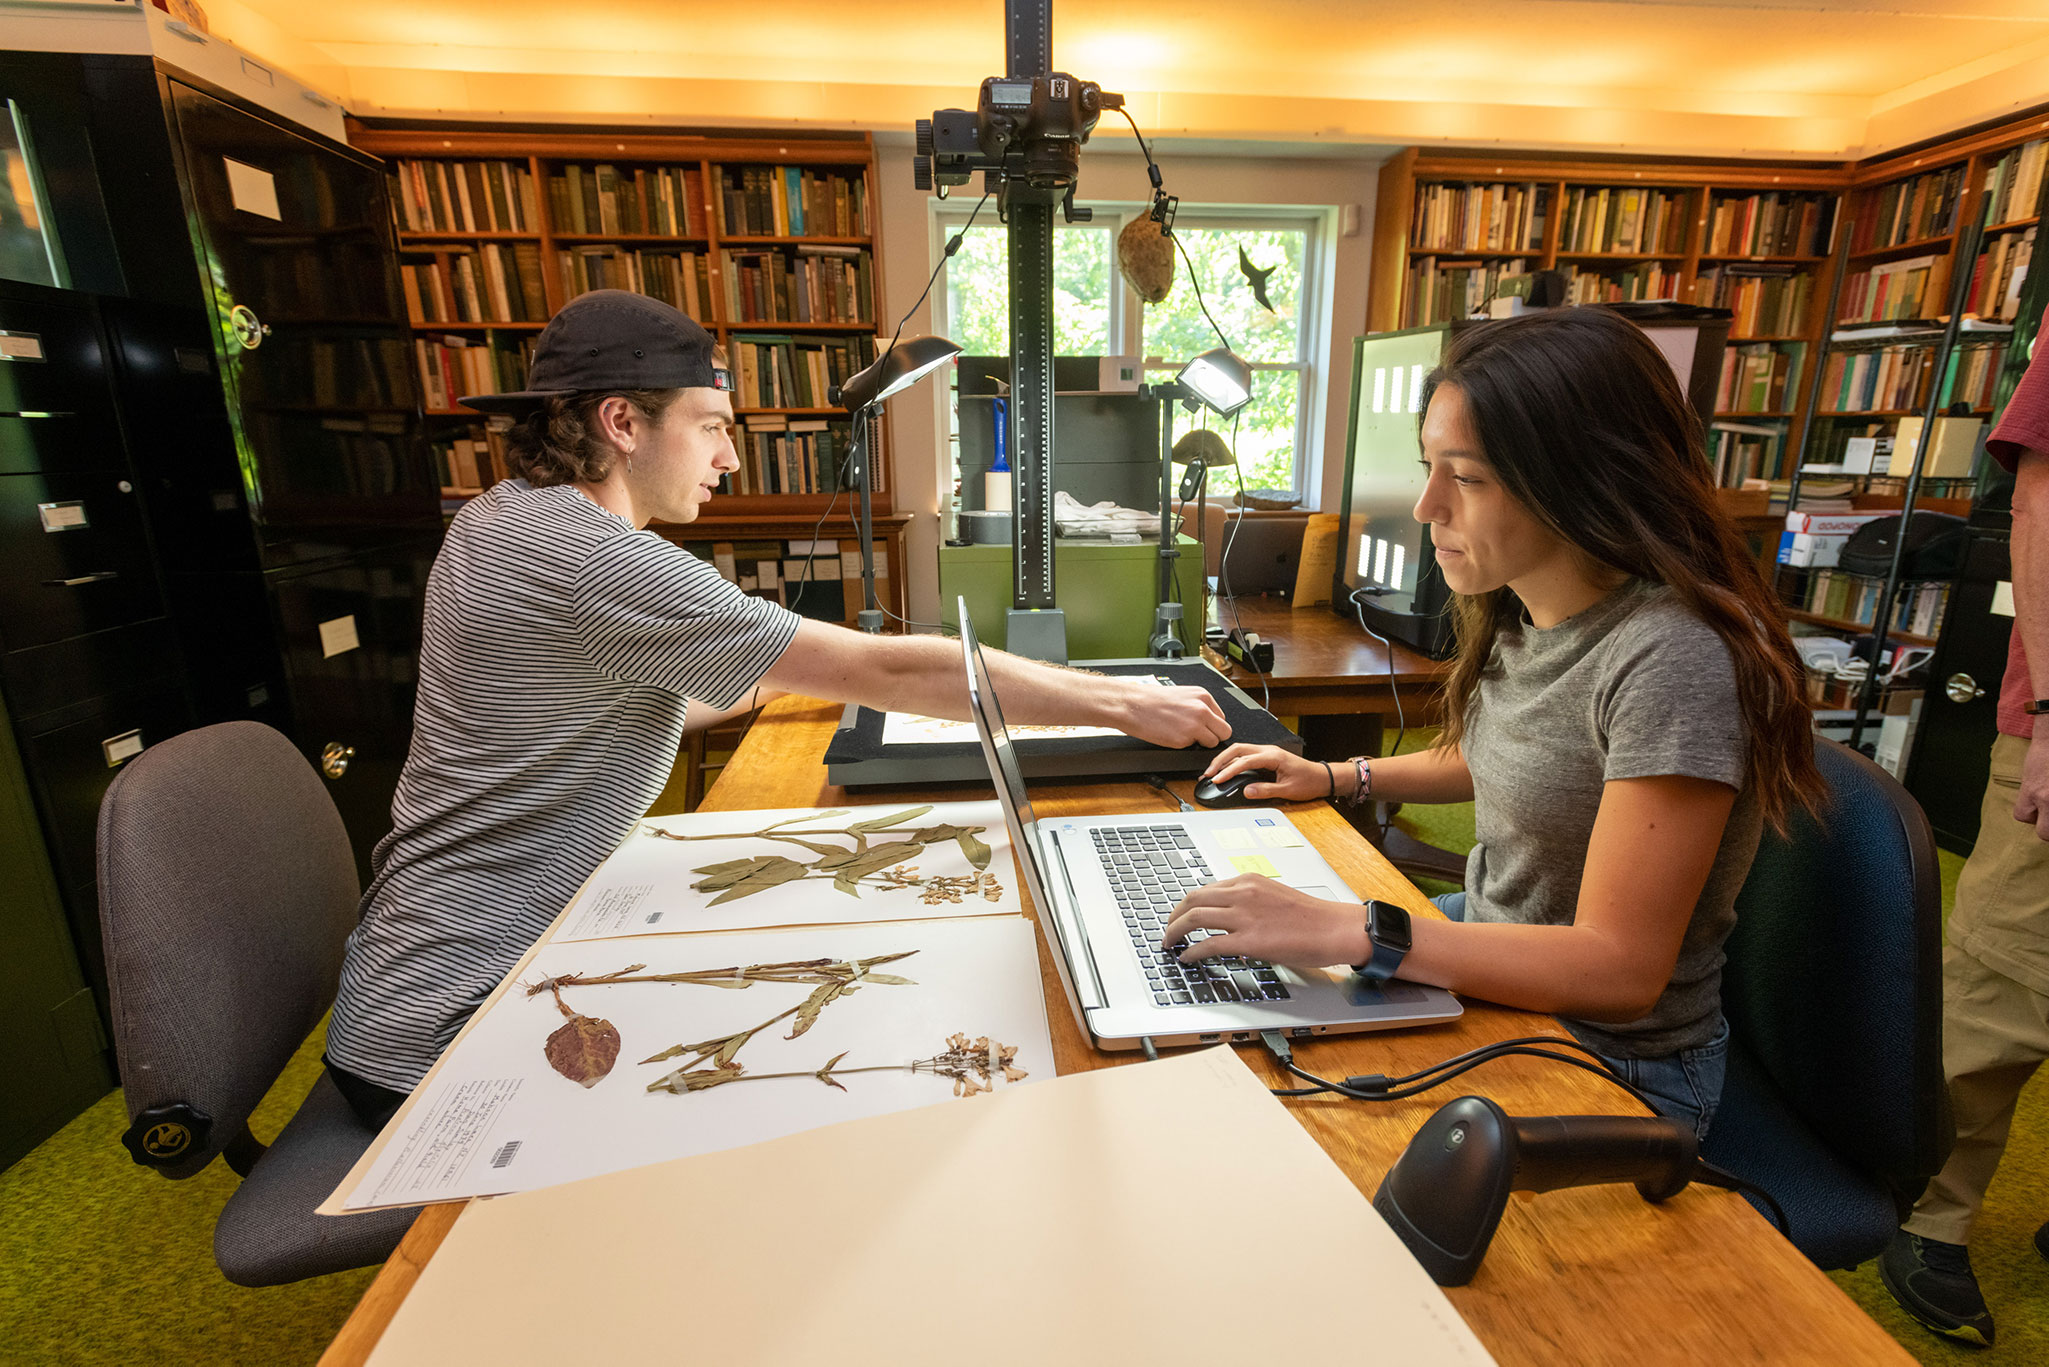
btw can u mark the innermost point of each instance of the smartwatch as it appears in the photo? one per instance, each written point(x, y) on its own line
point(1387, 926)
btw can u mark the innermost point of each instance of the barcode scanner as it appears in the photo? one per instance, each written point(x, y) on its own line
point(1445, 1194)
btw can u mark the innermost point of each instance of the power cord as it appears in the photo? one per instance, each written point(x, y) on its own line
point(1379, 1087)
point(953, 245)
point(1266, 697)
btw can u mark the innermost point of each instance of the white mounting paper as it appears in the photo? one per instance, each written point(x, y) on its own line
point(495, 1117)
point(649, 884)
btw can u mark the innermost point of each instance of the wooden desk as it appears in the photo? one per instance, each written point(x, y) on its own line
point(1589, 1276)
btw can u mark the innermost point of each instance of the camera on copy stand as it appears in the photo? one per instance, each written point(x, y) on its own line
point(1024, 131)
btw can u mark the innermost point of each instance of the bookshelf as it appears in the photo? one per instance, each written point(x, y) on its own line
point(767, 238)
point(1754, 238)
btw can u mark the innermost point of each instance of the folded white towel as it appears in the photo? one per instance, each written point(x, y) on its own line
point(1071, 517)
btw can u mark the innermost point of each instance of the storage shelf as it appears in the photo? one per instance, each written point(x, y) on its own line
point(808, 240)
point(1767, 260)
point(2012, 225)
point(1914, 248)
point(645, 239)
point(1886, 413)
point(1622, 256)
point(795, 412)
point(1489, 253)
point(791, 325)
point(1747, 341)
point(406, 235)
point(478, 327)
point(1857, 628)
point(1749, 413)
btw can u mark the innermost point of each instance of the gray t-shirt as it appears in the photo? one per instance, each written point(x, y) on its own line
point(1636, 686)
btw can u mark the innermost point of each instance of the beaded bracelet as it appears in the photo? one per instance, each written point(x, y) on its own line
point(1365, 788)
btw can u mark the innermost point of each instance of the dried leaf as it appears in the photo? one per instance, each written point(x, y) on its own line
point(849, 884)
point(797, 821)
point(682, 1081)
point(732, 1046)
point(770, 875)
point(888, 980)
point(583, 1049)
point(807, 1014)
point(883, 823)
point(974, 849)
point(825, 1074)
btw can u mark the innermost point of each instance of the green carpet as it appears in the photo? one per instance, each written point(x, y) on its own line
point(107, 1263)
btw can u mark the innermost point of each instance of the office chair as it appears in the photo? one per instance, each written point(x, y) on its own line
point(1835, 1100)
point(227, 888)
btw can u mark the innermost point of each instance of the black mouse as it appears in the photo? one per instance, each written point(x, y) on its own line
point(1231, 792)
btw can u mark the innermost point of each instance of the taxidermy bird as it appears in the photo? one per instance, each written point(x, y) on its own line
point(1257, 277)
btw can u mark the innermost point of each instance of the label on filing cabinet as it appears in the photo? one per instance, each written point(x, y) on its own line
point(21, 346)
point(62, 517)
point(122, 748)
point(338, 636)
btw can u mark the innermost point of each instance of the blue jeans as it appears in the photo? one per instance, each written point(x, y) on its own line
point(1686, 1086)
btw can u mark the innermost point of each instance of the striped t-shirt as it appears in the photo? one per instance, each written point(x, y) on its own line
point(559, 647)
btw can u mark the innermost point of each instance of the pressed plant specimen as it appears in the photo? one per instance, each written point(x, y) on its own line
point(972, 1065)
point(584, 1048)
point(878, 856)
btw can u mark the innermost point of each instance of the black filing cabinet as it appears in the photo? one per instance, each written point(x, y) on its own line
point(214, 502)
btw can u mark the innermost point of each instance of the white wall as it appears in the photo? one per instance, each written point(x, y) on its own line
point(1261, 177)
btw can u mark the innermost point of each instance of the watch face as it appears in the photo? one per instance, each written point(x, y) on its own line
point(1388, 924)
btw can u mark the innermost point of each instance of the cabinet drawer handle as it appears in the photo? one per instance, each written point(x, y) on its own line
point(82, 579)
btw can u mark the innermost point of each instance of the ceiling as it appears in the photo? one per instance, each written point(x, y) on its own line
point(1770, 78)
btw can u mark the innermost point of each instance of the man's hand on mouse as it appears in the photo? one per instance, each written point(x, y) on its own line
point(1295, 779)
point(1263, 919)
point(1173, 717)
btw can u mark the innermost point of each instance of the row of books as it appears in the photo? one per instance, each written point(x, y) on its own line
point(784, 372)
point(679, 278)
point(1997, 276)
point(1441, 290)
point(789, 456)
point(450, 367)
point(1889, 290)
point(1645, 280)
point(1626, 219)
point(664, 200)
point(1463, 218)
point(469, 463)
point(1973, 375)
point(819, 579)
point(1909, 210)
point(491, 283)
point(1772, 224)
point(1762, 377)
point(2013, 184)
point(789, 201)
point(465, 197)
point(1768, 301)
point(1745, 451)
point(1853, 599)
point(1888, 378)
point(810, 285)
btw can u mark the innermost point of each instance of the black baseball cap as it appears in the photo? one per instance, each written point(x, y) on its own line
point(612, 339)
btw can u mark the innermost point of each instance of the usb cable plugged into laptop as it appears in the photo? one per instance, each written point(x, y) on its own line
point(1166, 789)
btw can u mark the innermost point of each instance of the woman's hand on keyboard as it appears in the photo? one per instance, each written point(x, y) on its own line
point(1295, 778)
point(1262, 919)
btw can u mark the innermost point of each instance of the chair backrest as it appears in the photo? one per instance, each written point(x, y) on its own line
point(227, 889)
point(1834, 975)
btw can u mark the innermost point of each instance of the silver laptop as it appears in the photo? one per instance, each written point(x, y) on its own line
point(1105, 887)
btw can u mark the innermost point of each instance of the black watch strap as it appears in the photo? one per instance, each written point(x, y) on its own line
point(2038, 708)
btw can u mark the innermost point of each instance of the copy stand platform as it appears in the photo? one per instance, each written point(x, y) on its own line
point(857, 758)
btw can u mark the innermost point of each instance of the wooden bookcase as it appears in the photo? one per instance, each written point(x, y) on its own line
point(1702, 255)
point(670, 180)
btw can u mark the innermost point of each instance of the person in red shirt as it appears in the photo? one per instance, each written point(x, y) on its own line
point(1995, 967)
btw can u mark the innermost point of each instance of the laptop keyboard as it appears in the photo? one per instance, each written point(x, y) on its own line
point(1151, 868)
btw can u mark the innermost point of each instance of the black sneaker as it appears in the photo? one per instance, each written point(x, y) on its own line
point(1933, 1282)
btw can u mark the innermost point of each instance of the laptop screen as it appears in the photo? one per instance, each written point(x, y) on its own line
point(1001, 755)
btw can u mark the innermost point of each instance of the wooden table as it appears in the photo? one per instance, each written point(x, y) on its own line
point(1588, 1276)
point(1342, 687)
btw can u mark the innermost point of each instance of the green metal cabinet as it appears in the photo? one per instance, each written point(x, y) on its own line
point(52, 1048)
point(1107, 592)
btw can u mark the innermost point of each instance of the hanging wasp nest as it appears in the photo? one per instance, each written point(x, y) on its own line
point(1147, 259)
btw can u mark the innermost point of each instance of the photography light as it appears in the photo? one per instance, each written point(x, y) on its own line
point(899, 367)
point(1220, 378)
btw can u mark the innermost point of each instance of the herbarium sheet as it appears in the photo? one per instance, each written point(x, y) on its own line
point(811, 866)
point(609, 1054)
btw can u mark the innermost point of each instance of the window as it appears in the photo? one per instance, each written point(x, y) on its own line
point(1096, 314)
point(1271, 431)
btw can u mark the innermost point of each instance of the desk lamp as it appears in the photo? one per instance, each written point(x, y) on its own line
point(1220, 380)
point(899, 367)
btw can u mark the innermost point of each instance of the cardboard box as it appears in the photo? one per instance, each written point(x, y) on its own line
point(1803, 550)
point(1951, 452)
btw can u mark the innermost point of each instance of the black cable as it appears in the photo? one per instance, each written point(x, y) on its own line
point(868, 447)
point(1160, 782)
point(1200, 303)
point(1250, 662)
point(1144, 150)
point(1712, 1176)
point(1166, 229)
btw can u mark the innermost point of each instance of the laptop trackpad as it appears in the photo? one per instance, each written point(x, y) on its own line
point(1360, 992)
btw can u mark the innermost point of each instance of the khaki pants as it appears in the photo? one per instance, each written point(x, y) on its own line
point(1995, 1026)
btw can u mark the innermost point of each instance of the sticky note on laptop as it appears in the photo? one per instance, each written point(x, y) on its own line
point(1254, 863)
point(1235, 838)
point(1282, 838)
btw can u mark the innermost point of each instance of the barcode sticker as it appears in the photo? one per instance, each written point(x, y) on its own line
point(506, 1153)
point(654, 917)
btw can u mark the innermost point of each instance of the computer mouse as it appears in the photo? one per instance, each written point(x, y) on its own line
point(1231, 792)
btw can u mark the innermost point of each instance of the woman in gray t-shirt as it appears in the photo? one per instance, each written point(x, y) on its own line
point(1625, 712)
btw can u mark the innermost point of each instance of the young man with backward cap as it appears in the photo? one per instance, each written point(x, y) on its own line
point(566, 649)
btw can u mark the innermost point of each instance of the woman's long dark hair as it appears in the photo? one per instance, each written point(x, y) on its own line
point(1583, 423)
